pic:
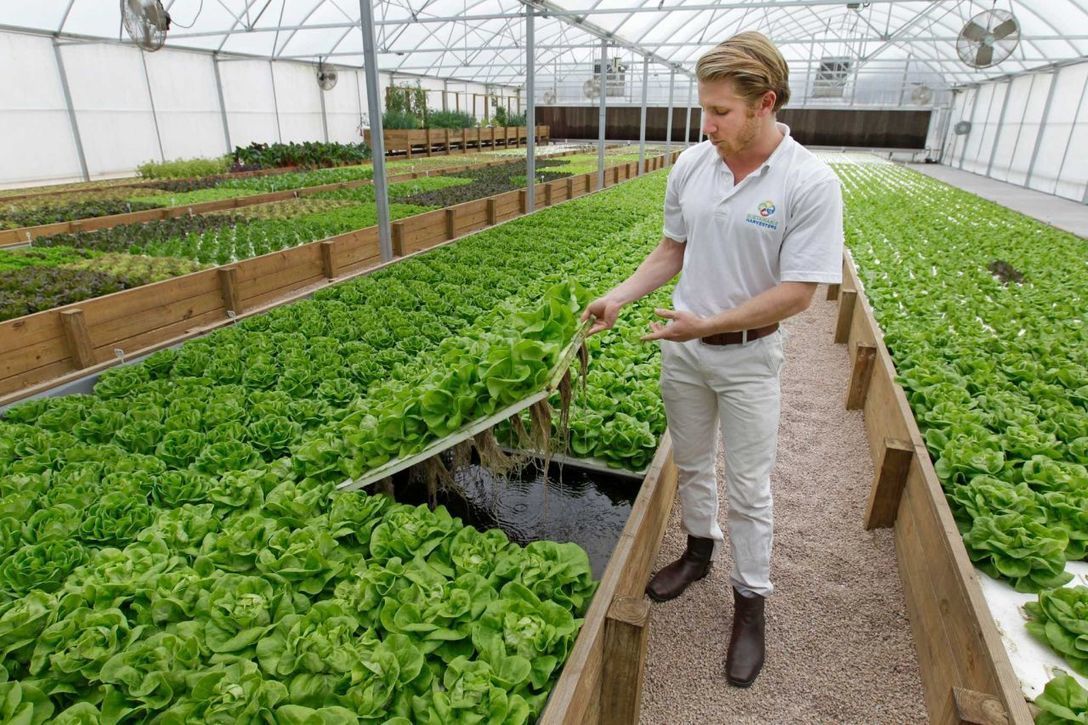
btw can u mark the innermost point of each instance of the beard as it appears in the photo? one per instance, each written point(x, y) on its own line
point(743, 139)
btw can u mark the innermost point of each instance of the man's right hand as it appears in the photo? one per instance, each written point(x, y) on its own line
point(605, 310)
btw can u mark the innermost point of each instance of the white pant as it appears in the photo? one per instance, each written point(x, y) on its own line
point(736, 387)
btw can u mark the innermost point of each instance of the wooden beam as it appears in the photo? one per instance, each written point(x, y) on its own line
point(79, 340)
point(833, 291)
point(429, 141)
point(523, 201)
point(451, 222)
point(228, 283)
point(862, 373)
point(847, 300)
point(398, 238)
point(570, 187)
point(547, 195)
point(887, 490)
point(492, 213)
point(328, 258)
point(978, 708)
point(626, 636)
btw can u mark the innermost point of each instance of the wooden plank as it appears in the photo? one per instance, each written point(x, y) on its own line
point(328, 258)
point(12, 387)
point(228, 280)
point(451, 222)
point(833, 292)
point(547, 195)
point(653, 512)
point(860, 376)
point(887, 488)
point(136, 344)
point(492, 214)
point(31, 341)
point(154, 316)
point(626, 637)
point(79, 340)
point(300, 271)
point(847, 301)
point(978, 708)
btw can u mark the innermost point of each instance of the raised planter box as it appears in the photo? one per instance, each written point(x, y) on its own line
point(966, 672)
point(55, 346)
point(431, 141)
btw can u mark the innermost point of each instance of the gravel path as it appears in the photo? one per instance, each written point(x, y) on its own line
point(839, 645)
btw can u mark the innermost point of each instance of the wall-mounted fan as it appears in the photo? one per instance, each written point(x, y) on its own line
point(146, 22)
point(988, 38)
point(962, 128)
point(549, 97)
point(326, 76)
point(921, 95)
point(591, 88)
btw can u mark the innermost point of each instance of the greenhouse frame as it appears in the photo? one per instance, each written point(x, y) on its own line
point(375, 361)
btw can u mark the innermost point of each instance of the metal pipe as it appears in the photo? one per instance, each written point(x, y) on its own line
point(642, 121)
point(71, 112)
point(687, 116)
point(275, 102)
point(377, 142)
point(1042, 127)
point(601, 116)
point(222, 103)
point(530, 110)
point(668, 122)
point(151, 98)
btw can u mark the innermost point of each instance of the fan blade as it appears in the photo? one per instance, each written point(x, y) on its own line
point(1007, 27)
point(973, 31)
point(985, 56)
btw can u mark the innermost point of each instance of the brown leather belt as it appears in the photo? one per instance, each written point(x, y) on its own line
point(739, 336)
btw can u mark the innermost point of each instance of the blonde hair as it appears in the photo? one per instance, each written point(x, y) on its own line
point(752, 62)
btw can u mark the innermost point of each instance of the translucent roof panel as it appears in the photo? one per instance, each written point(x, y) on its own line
point(484, 40)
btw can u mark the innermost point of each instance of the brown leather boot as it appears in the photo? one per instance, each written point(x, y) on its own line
point(693, 565)
point(746, 646)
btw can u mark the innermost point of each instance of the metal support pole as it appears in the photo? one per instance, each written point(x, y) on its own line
point(71, 112)
point(642, 121)
point(601, 116)
point(997, 131)
point(1069, 141)
point(530, 111)
point(906, 75)
point(275, 102)
point(974, 107)
point(324, 114)
point(151, 98)
point(222, 103)
point(1042, 127)
point(687, 116)
point(377, 142)
point(668, 123)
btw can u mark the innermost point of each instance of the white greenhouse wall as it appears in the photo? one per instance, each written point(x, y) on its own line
point(1031, 130)
point(126, 115)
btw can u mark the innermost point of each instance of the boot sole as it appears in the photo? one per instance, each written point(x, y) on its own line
point(661, 600)
point(739, 683)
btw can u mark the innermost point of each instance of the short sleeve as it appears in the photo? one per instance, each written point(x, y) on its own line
point(812, 246)
point(675, 227)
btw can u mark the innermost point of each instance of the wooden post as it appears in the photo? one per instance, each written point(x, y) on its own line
point(847, 299)
point(428, 129)
point(398, 238)
point(864, 360)
point(492, 213)
point(570, 187)
point(547, 194)
point(328, 258)
point(79, 340)
point(492, 138)
point(447, 141)
point(451, 222)
point(891, 476)
point(228, 283)
point(978, 708)
point(523, 201)
point(833, 291)
point(464, 140)
point(626, 636)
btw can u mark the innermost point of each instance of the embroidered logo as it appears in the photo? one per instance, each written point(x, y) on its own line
point(763, 218)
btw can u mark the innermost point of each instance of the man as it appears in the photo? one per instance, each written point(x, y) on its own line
point(753, 222)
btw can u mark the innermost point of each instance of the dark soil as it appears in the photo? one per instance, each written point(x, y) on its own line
point(1005, 272)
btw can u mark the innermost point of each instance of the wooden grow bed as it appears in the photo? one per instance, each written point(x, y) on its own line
point(601, 681)
point(56, 346)
point(431, 141)
point(966, 672)
point(26, 235)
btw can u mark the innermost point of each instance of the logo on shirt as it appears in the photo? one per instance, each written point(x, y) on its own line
point(763, 216)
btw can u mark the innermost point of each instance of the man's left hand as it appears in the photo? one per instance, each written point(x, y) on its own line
point(681, 326)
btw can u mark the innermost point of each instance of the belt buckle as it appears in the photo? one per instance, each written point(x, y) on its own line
point(744, 337)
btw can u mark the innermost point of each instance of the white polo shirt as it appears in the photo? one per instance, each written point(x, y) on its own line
point(782, 223)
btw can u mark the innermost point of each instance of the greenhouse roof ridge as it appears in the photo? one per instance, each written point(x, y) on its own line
point(483, 41)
